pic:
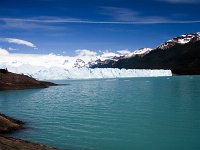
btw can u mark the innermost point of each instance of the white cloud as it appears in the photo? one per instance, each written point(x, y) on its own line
point(124, 52)
point(3, 51)
point(19, 42)
point(52, 60)
point(181, 1)
point(85, 52)
point(12, 49)
point(31, 23)
point(118, 19)
point(108, 55)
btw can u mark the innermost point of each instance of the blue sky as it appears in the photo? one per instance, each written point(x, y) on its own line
point(63, 26)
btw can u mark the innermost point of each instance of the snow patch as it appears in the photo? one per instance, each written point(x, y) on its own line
point(183, 39)
point(139, 52)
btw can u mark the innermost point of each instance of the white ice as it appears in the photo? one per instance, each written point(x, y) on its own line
point(53, 67)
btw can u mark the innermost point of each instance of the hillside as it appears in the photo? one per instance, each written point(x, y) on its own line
point(12, 81)
point(180, 59)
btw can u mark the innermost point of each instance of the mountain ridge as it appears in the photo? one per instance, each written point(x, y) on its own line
point(180, 54)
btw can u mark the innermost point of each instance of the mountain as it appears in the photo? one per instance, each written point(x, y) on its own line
point(183, 39)
point(181, 55)
point(140, 52)
point(109, 63)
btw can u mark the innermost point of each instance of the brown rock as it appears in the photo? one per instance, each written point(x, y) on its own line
point(8, 124)
point(8, 143)
point(12, 81)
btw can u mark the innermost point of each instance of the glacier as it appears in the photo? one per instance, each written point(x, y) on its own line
point(54, 67)
point(58, 73)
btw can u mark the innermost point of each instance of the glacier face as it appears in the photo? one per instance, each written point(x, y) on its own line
point(58, 73)
point(53, 67)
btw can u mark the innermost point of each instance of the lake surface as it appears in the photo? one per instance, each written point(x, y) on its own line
point(111, 114)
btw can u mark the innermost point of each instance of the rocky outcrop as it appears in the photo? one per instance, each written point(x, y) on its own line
point(12, 81)
point(8, 143)
point(8, 125)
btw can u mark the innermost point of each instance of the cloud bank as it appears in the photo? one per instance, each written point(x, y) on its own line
point(3, 51)
point(52, 60)
point(109, 55)
point(124, 52)
point(85, 52)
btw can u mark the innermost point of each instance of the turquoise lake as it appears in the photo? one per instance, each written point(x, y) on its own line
point(110, 114)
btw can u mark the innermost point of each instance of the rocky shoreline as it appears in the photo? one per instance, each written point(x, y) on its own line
point(7, 125)
point(12, 81)
point(9, 143)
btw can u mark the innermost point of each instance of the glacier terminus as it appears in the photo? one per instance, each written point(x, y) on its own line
point(54, 67)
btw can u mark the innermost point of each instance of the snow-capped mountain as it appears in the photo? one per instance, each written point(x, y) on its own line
point(142, 52)
point(79, 63)
point(183, 39)
point(108, 63)
point(180, 54)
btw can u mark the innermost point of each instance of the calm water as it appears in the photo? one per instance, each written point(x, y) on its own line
point(111, 114)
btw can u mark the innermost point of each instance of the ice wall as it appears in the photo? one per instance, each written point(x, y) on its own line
point(59, 73)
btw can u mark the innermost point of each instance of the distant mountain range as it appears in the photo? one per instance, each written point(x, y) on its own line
point(181, 55)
